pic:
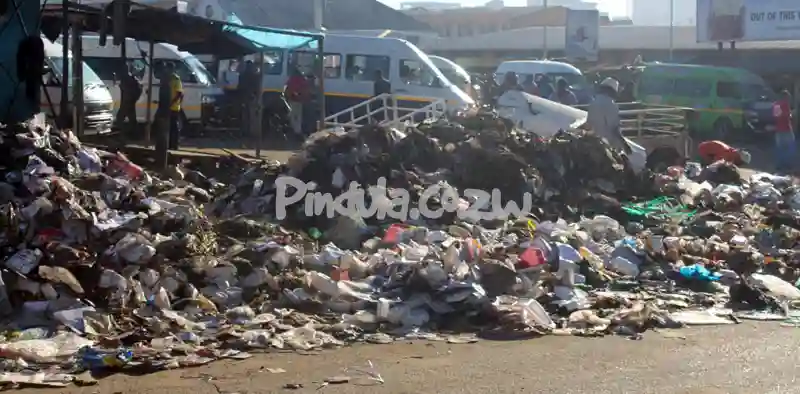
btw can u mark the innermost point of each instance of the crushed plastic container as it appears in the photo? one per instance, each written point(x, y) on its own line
point(95, 359)
point(624, 266)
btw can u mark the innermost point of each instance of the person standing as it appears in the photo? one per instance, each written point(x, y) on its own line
point(163, 120)
point(298, 93)
point(785, 144)
point(510, 82)
point(530, 86)
point(164, 98)
point(603, 116)
point(563, 94)
point(381, 86)
point(545, 87)
point(249, 89)
point(130, 90)
point(175, 89)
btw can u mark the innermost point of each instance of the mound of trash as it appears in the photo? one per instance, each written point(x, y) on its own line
point(108, 266)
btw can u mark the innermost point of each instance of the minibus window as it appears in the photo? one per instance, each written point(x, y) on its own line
point(729, 90)
point(758, 92)
point(414, 72)
point(199, 70)
point(105, 67)
point(184, 73)
point(273, 62)
point(656, 86)
point(363, 67)
point(138, 67)
point(305, 61)
point(692, 88)
point(332, 64)
point(89, 76)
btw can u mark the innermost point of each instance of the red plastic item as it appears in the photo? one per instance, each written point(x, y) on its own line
point(48, 234)
point(339, 274)
point(531, 258)
point(393, 233)
point(126, 167)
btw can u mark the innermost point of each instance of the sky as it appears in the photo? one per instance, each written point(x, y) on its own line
point(613, 7)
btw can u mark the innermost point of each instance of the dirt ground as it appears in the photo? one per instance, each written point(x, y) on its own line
point(750, 358)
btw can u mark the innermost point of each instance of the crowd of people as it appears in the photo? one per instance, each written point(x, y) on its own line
point(168, 117)
point(539, 85)
point(602, 114)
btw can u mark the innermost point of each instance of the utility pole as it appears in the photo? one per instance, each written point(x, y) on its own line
point(64, 109)
point(671, 28)
point(319, 10)
point(544, 32)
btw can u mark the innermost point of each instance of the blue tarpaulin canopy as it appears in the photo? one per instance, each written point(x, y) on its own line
point(202, 36)
point(264, 37)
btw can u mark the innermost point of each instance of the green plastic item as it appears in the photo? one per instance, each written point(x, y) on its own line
point(314, 233)
point(661, 208)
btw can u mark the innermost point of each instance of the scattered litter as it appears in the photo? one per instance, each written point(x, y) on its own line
point(150, 271)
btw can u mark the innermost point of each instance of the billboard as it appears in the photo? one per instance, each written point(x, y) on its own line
point(748, 20)
point(582, 32)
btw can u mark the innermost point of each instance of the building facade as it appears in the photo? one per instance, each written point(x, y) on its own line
point(572, 4)
point(656, 12)
point(476, 21)
point(429, 5)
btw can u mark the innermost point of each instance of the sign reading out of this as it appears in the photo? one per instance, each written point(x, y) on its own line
point(748, 20)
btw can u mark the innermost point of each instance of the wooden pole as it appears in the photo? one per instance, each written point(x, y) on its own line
point(257, 121)
point(148, 111)
point(544, 33)
point(321, 92)
point(63, 112)
point(77, 82)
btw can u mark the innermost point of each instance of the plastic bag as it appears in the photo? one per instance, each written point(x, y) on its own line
point(64, 344)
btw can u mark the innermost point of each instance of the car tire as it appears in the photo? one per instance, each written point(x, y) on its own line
point(723, 129)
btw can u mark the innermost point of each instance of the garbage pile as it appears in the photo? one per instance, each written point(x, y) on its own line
point(108, 266)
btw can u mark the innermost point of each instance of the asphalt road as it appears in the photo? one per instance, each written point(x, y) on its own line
point(750, 358)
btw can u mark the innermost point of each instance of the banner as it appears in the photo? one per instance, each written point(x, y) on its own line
point(582, 31)
point(748, 20)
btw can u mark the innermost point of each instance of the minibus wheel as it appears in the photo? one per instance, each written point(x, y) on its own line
point(723, 128)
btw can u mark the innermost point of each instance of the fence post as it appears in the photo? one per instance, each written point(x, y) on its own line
point(394, 108)
point(639, 123)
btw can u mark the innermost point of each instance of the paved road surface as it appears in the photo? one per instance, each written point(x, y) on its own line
point(749, 359)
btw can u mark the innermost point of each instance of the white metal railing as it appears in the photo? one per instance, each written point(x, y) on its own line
point(386, 111)
point(652, 125)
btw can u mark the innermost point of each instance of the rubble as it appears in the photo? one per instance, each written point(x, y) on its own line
point(108, 266)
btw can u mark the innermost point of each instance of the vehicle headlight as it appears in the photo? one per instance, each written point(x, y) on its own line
point(208, 99)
